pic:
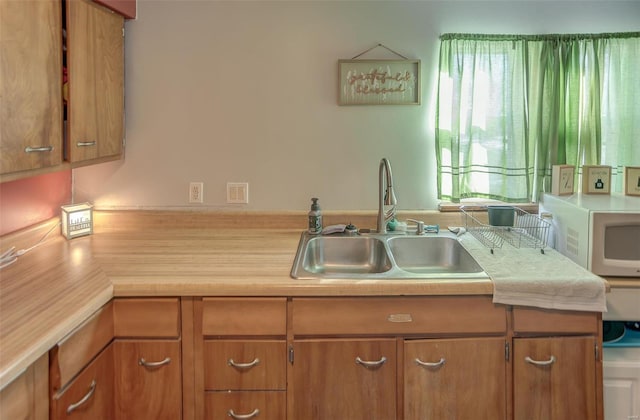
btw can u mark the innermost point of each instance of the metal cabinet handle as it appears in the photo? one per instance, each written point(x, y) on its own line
point(430, 364)
point(38, 149)
point(88, 395)
point(251, 415)
point(551, 361)
point(249, 365)
point(371, 364)
point(143, 362)
point(86, 143)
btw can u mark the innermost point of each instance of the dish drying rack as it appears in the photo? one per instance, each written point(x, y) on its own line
point(528, 230)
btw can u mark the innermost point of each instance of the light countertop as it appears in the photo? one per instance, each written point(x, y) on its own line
point(51, 290)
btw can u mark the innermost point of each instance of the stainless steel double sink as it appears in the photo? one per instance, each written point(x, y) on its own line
point(384, 257)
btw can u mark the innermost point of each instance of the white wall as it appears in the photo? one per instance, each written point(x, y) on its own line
point(246, 91)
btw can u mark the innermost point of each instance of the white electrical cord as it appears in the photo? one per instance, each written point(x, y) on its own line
point(11, 255)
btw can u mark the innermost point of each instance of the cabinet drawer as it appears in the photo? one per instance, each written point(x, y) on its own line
point(244, 316)
point(266, 405)
point(90, 395)
point(529, 320)
point(406, 315)
point(77, 349)
point(147, 317)
point(258, 365)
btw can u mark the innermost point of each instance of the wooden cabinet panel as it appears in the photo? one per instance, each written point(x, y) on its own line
point(152, 391)
point(554, 378)
point(455, 379)
point(90, 395)
point(410, 315)
point(535, 320)
point(95, 60)
point(146, 317)
point(27, 396)
point(126, 8)
point(30, 85)
point(263, 405)
point(78, 348)
point(245, 365)
point(329, 383)
point(244, 316)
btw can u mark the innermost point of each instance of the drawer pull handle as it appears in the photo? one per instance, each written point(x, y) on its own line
point(237, 365)
point(38, 149)
point(143, 362)
point(251, 415)
point(83, 400)
point(430, 364)
point(86, 143)
point(371, 364)
point(549, 362)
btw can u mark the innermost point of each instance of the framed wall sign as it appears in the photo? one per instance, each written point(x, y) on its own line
point(632, 180)
point(379, 82)
point(562, 177)
point(596, 179)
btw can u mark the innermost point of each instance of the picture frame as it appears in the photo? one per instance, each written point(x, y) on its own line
point(379, 82)
point(596, 179)
point(562, 179)
point(632, 180)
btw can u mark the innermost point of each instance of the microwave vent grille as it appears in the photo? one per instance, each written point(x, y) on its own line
point(573, 240)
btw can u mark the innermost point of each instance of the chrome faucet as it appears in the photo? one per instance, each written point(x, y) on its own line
point(386, 196)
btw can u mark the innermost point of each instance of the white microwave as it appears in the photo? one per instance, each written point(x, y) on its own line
point(599, 232)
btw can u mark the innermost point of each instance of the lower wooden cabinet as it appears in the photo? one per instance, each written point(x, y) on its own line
point(455, 378)
point(555, 378)
point(243, 405)
point(148, 379)
point(90, 395)
point(27, 397)
point(344, 379)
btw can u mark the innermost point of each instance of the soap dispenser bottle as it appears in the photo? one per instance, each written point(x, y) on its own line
point(315, 218)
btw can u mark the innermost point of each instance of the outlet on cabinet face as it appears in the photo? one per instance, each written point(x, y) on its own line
point(238, 192)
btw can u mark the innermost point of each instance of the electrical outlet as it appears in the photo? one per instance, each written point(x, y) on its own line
point(196, 192)
point(238, 192)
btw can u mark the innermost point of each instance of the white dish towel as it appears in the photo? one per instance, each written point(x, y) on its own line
point(525, 276)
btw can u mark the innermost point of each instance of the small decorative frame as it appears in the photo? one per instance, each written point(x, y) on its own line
point(562, 177)
point(596, 179)
point(379, 82)
point(632, 180)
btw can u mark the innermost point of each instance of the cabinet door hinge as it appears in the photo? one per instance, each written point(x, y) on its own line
point(291, 354)
point(506, 351)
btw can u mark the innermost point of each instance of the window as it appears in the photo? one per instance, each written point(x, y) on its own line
point(509, 107)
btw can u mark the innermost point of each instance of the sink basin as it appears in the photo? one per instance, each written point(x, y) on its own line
point(432, 255)
point(345, 255)
point(384, 257)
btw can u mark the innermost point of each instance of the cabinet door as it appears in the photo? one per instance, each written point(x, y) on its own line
point(344, 379)
point(30, 85)
point(148, 381)
point(90, 395)
point(26, 397)
point(95, 59)
point(554, 378)
point(454, 379)
point(622, 388)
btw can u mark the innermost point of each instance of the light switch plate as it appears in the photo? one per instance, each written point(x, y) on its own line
point(237, 192)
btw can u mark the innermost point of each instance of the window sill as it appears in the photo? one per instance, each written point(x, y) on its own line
point(479, 205)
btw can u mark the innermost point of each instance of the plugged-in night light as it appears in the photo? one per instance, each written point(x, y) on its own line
point(77, 220)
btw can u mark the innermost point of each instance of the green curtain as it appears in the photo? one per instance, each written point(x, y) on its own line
point(510, 106)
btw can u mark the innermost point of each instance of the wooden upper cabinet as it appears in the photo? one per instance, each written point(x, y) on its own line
point(95, 66)
point(30, 85)
point(126, 8)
